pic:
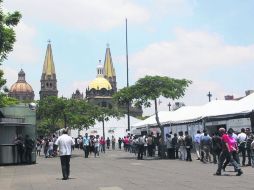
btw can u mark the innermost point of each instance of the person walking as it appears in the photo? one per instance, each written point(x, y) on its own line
point(65, 142)
point(226, 154)
point(86, 141)
point(233, 147)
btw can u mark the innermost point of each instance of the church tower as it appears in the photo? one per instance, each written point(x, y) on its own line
point(48, 77)
point(109, 70)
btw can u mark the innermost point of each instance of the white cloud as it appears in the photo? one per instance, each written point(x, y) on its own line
point(24, 50)
point(11, 75)
point(82, 14)
point(190, 54)
point(172, 7)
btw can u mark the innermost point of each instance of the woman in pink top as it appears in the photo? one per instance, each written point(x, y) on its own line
point(232, 149)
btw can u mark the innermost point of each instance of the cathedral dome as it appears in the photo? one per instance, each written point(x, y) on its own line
point(21, 90)
point(100, 83)
point(21, 87)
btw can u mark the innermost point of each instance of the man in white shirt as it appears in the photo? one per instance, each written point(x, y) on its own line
point(64, 143)
point(241, 138)
point(197, 143)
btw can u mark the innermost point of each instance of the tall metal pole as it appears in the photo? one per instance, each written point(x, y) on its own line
point(127, 64)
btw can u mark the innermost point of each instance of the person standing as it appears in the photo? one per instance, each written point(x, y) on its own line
point(140, 144)
point(182, 148)
point(170, 150)
point(197, 143)
point(29, 146)
point(65, 144)
point(248, 145)
point(108, 143)
point(205, 144)
point(188, 145)
point(150, 145)
point(96, 145)
point(242, 138)
point(86, 141)
point(120, 143)
point(175, 146)
point(216, 147)
point(113, 140)
point(19, 142)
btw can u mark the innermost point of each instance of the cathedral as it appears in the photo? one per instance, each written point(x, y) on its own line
point(99, 91)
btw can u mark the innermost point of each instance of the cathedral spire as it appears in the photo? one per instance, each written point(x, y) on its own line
point(48, 77)
point(109, 70)
point(49, 67)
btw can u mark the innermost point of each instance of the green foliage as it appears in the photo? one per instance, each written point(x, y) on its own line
point(150, 88)
point(54, 113)
point(7, 34)
point(7, 40)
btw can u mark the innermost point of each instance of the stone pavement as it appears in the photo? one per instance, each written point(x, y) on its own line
point(118, 170)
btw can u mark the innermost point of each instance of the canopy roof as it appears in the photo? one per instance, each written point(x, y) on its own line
point(187, 114)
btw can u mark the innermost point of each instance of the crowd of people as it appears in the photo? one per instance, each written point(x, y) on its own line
point(222, 147)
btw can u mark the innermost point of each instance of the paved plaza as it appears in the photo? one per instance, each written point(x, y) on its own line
point(118, 170)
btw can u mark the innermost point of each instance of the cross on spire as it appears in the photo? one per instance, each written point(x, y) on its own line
point(49, 41)
point(107, 45)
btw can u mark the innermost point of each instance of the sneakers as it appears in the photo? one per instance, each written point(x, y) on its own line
point(217, 173)
point(240, 172)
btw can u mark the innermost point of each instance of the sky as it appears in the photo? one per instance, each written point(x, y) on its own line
point(209, 42)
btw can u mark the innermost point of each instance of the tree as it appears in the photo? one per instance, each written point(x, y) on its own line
point(150, 88)
point(54, 113)
point(7, 40)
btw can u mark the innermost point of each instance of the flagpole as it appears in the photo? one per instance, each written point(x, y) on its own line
point(127, 65)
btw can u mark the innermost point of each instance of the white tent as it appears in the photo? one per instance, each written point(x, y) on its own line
point(187, 114)
point(112, 127)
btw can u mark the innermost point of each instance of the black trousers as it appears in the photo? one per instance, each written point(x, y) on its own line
point(28, 156)
point(86, 150)
point(140, 152)
point(242, 150)
point(65, 164)
point(249, 156)
point(188, 150)
point(235, 157)
point(171, 153)
point(225, 155)
point(150, 150)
